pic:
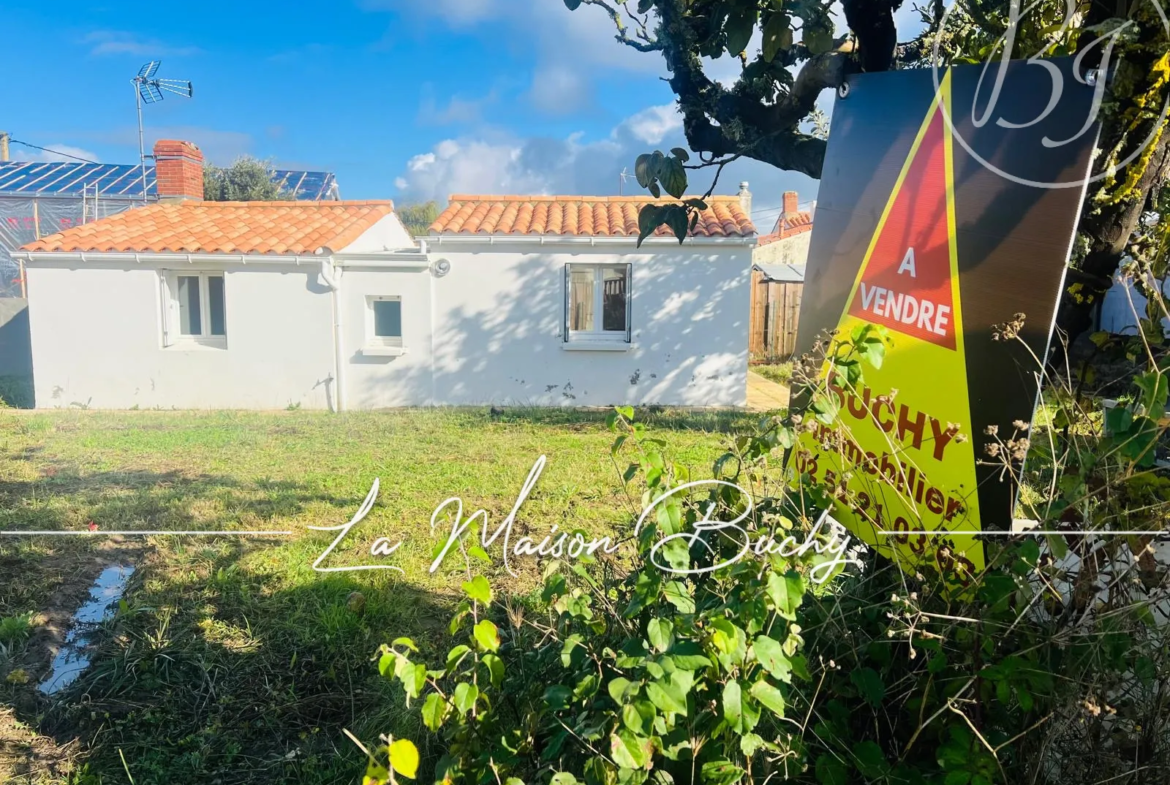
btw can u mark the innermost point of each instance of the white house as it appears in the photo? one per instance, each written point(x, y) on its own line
point(259, 305)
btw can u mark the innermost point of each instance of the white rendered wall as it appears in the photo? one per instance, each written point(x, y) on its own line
point(490, 331)
point(790, 250)
point(373, 381)
point(499, 315)
point(97, 341)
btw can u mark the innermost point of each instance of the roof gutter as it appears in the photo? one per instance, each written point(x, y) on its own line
point(397, 259)
point(576, 240)
point(165, 258)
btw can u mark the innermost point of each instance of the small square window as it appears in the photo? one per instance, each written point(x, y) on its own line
point(384, 322)
point(597, 302)
point(194, 309)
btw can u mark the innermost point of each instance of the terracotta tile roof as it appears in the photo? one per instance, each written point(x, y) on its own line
point(222, 227)
point(787, 226)
point(589, 216)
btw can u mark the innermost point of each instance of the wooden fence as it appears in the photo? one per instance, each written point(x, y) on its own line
point(775, 310)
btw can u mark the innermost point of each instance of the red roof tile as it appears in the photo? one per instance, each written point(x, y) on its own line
point(222, 227)
point(586, 216)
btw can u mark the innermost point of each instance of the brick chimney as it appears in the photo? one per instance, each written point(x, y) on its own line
point(790, 204)
point(745, 198)
point(178, 168)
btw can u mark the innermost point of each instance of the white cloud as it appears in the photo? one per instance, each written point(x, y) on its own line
point(52, 153)
point(119, 42)
point(505, 163)
point(652, 125)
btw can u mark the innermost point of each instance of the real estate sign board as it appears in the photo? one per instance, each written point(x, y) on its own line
point(944, 213)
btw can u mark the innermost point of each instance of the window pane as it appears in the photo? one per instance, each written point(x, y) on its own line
point(581, 298)
point(215, 304)
point(613, 299)
point(388, 318)
point(190, 322)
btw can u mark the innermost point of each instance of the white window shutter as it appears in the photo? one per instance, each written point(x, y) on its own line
point(629, 303)
point(168, 309)
point(568, 290)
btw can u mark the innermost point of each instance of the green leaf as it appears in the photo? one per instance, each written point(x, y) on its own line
point(733, 705)
point(869, 684)
point(777, 36)
point(465, 696)
point(405, 643)
point(557, 697)
point(831, 771)
point(633, 719)
point(661, 632)
point(738, 29)
point(404, 757)
point(386, 664)
point(572, 5)
point(688, 656)
point(643, 170)
point(750, 743)
point(487, 635)
point(433, 710)
point(786, 592)
point(455, 655)
point(677, 595)
point(771, 697)
point(817, 39)
point(562, 778)
point(674, 178)
point(675, 216)
point(668, 695)
point(958, 778)
point(413, 679)
point(771, 655)
point(573, 652)
point(479, 590)
point(649, 219)
point(680, 153)
point(628, 750)
point(495, 668)
point(721, 772)
point(871, 761)
point(617, 689)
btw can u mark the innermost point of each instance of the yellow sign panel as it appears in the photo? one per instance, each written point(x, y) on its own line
point(901, 445)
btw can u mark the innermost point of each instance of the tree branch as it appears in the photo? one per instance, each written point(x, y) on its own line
point(642, 41)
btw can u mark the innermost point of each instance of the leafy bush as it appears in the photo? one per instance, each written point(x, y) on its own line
point(617, 674)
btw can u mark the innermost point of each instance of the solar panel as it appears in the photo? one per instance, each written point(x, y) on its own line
point(28, 178)
point(150, 69)
point(150, 94)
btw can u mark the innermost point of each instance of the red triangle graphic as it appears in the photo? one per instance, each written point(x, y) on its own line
point(906, 281)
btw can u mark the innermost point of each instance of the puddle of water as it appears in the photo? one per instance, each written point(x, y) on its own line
point(73, 658)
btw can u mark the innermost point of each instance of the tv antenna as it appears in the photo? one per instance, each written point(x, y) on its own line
point(623, 175)
point(149, 90)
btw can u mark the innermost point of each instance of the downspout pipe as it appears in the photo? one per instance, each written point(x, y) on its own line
point(331, 276)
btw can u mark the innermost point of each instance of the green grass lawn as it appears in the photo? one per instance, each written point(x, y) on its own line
point(232, 661)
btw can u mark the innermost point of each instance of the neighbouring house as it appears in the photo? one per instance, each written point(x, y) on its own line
point(778, 264)
point(38, 198)
point(535, 300)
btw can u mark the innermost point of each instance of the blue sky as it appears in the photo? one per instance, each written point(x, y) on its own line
point(404, 100)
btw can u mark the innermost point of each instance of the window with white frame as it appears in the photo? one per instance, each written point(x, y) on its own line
point(597, 302)
point(194, 309)
point(384, 321)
